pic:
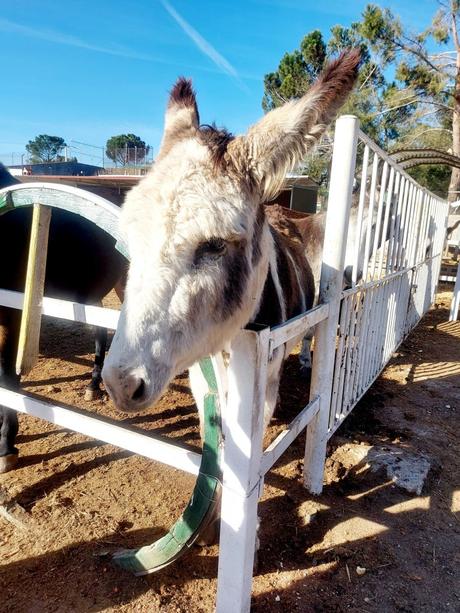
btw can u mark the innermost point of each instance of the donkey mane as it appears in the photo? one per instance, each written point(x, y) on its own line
point(217, 141)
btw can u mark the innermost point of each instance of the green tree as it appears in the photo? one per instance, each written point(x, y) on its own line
point(126, 149)
point(297, 70)
point(429, 76)
point(45, 148)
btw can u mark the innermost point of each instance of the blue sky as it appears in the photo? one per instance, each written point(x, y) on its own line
point(86, 70)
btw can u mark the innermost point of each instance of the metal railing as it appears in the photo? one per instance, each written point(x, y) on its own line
point(402, 227)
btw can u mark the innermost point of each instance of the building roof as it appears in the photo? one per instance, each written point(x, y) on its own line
point(294, 180)
point(125, 182)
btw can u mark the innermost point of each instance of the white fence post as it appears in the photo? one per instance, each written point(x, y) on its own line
point(338, 212)
point(455, 304)
point(243, 425)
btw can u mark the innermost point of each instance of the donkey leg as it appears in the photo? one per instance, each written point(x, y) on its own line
point(9, 332)
point(93, 389)
point(273, 384)
point(120, 287)
point(305, 355)
point(8, 432)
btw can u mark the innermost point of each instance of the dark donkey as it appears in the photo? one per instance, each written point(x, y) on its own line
point(83, 265)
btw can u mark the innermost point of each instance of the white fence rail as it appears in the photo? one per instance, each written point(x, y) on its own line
point(402, 227)
point(398, 248)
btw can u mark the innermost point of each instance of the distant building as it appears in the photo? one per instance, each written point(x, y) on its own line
point(299, 193)
point(16, 171)
point(70, 169)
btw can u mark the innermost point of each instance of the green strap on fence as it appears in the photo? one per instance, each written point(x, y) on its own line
point(6, 203)
point(202, 505)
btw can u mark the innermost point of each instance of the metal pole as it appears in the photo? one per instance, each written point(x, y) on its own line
point(339, 201)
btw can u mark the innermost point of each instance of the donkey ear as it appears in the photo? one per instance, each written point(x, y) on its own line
point(281, 139)
point(182, 119)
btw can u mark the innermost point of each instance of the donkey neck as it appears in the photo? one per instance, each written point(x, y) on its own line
point(288, 289)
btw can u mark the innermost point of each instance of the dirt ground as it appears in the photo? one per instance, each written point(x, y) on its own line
point(72, 498)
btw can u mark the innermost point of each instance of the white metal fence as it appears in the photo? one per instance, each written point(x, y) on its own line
point(398, 249)
point(402, 227)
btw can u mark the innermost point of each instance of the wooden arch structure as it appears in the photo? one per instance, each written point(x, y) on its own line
point(408, 158)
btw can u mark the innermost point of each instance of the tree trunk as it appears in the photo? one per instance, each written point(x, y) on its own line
point(454, 186)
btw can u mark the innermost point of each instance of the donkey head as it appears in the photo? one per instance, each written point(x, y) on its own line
point(196, 232)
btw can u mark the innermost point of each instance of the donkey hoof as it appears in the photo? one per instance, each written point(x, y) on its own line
point(92, 394)
point(8, 462)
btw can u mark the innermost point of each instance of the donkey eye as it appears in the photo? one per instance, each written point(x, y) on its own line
point(213, 248)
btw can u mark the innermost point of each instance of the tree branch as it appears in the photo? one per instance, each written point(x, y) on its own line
point(368, 76)
point(454, 27)
point(425, 132)
point(414, 51)
point(415, 101)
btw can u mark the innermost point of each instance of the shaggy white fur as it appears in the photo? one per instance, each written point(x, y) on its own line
point(196, 275)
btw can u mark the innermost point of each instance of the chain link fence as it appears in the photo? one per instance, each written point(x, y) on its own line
point(126, 160)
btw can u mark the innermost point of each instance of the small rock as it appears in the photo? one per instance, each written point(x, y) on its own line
point(407, 470)
point(360, 571)
point(277, 598)
point(309, 517)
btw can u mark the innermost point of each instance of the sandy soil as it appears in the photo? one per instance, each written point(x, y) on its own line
point(74, 498)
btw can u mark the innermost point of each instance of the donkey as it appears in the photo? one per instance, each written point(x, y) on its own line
point(206, 259)
point(82, 265)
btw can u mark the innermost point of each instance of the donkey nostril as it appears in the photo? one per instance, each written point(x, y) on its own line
point(139, 392)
